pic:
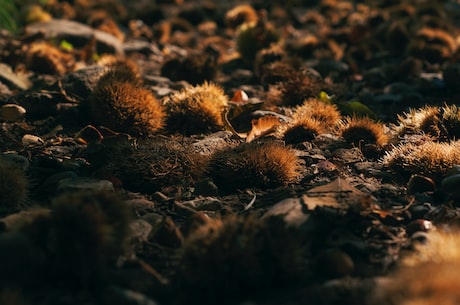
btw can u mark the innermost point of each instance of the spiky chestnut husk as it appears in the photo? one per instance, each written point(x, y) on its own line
point(13, 187)
point(87, 232)
point(294, 90)
point(266, 165)
point(196, 109)
point(363, 130)
point(327, 114)
point(124, 106)
point(239, 255)
point(254, 36)
point(432, 44)
point(120, 69)
point(428, 276)
point(101, 20)
point(432, 159)
point(43, 57)
point(160, 162)
point(302, 130)
point(440, 123)
point(243, 13)
point(425, 119)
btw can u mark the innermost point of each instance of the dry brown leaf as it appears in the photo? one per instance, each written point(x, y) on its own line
point(263, 126)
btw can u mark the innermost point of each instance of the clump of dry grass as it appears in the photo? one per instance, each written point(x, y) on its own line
point(429, 158)
point(266, 165)
point(363, 130)
point(196, 109)
point(237, 255)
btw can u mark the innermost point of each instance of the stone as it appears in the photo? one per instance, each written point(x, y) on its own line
point(82, 82)
point(17, 80)
point(12, 112)
point(83, 183)
point(31, 140)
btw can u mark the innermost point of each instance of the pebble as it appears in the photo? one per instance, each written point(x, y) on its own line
point(12, 112)
point(31, 140)
point(20, 161)
point(204, 204)
point(418, 225)
point(451, 184)
point(83, 183)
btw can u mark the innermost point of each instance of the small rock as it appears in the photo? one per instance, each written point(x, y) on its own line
point(349, 156)
point(419, 225)
point(20, 161)
point(206, 187)
point(31, 140)
point(139, 231)
point(19, 81)
point(167, 233)
point(82, 82)
point(451, 184)
point(82, 183)
point(292, 210)
point(140, 206)
point(12, 112)
point(204, 204)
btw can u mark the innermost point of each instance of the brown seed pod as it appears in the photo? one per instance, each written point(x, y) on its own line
point(13, 187)
point(363, 130)
point(266, 165)
point(45, 58)
point(239, 254)
point(196, 109)
point(123, 106)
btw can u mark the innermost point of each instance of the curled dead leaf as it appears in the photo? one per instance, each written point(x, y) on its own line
point(263, 126)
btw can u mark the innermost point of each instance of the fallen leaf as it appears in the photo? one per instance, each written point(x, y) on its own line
point(263, 126)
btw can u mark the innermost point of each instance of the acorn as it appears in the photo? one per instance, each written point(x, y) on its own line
point(265, 165)
point(196, 109)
